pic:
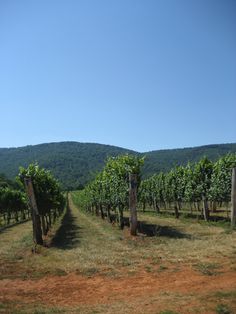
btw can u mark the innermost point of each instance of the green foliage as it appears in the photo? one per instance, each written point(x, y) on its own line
point(220, 189)
point(109, 191)
point(5, 182)
point(46, 188)
point(76, 164)
point(190, 194)
point(192, 183)
point(202, 176)
point(167, 159)
point(12, 204)
point(72, 163)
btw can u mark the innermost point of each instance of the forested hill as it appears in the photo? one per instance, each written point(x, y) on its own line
point(72, 163)
point(76, 163)
point(164, 160)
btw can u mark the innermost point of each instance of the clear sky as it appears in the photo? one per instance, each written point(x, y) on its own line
point(140, 74)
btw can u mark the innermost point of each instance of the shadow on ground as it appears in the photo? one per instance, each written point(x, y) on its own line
point(67, 236)
point(5, 228)
point(152, 230)
point(214, 216)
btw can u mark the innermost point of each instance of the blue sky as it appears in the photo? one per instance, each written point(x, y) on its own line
point(144, 75)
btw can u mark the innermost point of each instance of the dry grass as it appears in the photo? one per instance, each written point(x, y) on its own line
point(101, 247)
point(12, 238)
point(190, 241)
point(172, 303)
point(88, 246)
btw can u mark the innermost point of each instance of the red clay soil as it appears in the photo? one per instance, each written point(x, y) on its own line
point(73, 289)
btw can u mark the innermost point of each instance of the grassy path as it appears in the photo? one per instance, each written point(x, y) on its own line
point(93, 267)
point(85, 244)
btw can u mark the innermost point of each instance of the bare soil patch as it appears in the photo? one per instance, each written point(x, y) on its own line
point(74, 290)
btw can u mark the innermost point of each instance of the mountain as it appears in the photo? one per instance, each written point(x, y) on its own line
point(164, 160)
point(75, 164)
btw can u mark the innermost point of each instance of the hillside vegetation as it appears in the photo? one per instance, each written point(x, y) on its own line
point(71, 162)
point(164, 160)
point(75, 163)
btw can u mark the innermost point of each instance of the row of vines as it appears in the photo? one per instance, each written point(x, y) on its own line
point(15, 205)
point(108, 194)
point(202, 186)
point(49, 198)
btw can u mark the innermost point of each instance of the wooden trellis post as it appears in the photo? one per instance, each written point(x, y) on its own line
point(133, 203)
point(233, 199)
point(37, 231)
point(205, 209)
